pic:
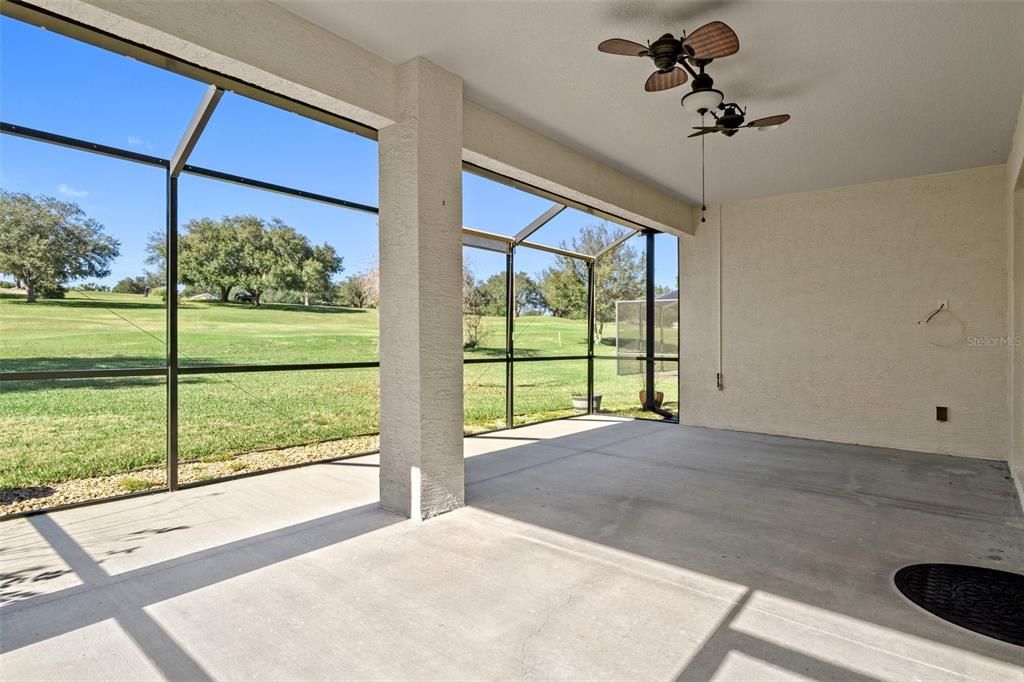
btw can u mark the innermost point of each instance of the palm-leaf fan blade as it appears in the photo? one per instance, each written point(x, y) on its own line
point(663, 80)
point(768, 121)
point(705, 131)
point(622, 46)
point(712, 41)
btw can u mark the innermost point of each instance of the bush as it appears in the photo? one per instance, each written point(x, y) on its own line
point(281, 296)
point(188, 291)
point(4, 284)
point(131, 285)
point(50, 290)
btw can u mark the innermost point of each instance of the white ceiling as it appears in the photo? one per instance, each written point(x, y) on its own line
point(877, 90)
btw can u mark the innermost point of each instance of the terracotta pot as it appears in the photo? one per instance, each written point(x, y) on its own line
point(659, 398)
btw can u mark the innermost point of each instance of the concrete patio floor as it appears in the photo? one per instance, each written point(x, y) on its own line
point(591, 548)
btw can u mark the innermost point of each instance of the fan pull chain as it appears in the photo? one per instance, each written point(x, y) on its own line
point(703, 202)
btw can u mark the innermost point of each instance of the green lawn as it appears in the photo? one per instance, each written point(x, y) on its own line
point(58, 430)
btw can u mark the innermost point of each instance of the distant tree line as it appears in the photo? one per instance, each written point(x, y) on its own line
point(46, 243)
point(561, 289)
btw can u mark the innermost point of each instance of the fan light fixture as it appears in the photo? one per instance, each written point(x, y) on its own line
point(696, 50)
point(702, 101)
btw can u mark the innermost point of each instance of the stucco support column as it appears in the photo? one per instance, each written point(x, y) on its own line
point(421, 462)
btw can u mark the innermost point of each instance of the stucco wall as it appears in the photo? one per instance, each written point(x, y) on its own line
point(822, 297)
point(1017, 295)
point(1015, 227)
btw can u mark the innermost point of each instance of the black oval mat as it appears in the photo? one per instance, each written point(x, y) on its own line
point(983, 600)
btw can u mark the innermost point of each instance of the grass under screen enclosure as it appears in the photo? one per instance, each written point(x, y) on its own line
point(111, 431)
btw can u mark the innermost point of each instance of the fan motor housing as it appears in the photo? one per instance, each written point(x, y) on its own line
point(665, 52)
point(730, 120)
point(703, 81)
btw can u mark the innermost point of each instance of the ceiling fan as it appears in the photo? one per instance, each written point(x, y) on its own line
point(711, 41)
point(732, 118)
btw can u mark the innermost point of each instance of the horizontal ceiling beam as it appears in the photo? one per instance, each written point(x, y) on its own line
point(483, 234)
point(558, 251)
point(485, 244)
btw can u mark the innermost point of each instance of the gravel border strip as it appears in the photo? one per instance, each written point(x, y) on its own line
point(20, 500)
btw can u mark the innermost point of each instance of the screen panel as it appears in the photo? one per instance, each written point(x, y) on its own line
point(484, 303)
point(81, 269)
point(484, 396)
point(270, 279)
point(495, 207)
point(235, 423)
point(78, 440)
point(545, 389)
point(55, 83)
point(252, 139)
point(553, 313)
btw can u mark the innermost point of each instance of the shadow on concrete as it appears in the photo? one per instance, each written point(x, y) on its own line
point(100, 596)
point(822, 524)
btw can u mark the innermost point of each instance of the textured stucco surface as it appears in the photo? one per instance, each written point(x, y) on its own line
point(421, 295)
point(1015, 159)
point(1017, 296)
point(1015, 236)
point(258, 42)
point(824, 294)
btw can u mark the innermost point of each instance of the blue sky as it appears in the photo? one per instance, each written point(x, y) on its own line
point(57, 84)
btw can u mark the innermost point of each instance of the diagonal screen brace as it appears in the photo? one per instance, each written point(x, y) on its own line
point(195, 128)
point(541, 220)
point(616, 243)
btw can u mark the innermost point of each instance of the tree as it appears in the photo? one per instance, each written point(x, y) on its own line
point(371, 284)
point(209, 254)
point(45, 243)
point(256, 255)
point(564, 287)
point(257, 268)
point(619, 275)
point(358, 291)
point(131, 285)
point(472, 316)
point(275, 256)
point(494, 297)
point(321, 264)
point(528, 294)
point(156, 255)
